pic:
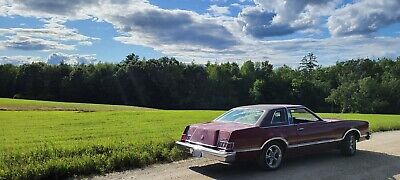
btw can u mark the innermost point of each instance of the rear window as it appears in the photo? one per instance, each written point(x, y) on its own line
point(244, 116)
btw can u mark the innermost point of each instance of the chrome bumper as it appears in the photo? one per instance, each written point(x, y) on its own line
point(201, 151)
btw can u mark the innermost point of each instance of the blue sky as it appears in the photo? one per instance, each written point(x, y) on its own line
point(280, 31)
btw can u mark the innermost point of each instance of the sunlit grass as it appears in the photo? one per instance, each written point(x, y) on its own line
point(50, 144)
point(377, 122)
point(24, 129)
point(32, 105)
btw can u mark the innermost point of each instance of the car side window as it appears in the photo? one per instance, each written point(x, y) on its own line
point(279, 117)
point(302, 116)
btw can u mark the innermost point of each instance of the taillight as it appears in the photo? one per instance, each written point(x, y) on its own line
point(185, 136)
point(225, 145)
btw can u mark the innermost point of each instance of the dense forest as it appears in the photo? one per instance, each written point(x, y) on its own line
point(362, 85)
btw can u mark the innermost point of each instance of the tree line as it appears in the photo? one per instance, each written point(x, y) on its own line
point(360, 85)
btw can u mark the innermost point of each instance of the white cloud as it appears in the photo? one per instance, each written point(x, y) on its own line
point(218, 10)
point(282, 17)
point(71, 9)
point(148, 25)
point(53, 36)
point(57, 58)
point(166, 29)
point(287, 11)
point(19, 60)
point(330, 50)
point(290, 52)
point(31, 43)
point(364, 17)
point(223, 1)
point(236, 5)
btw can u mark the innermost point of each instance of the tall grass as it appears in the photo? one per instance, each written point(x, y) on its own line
point(49, 162)
point(55, 144)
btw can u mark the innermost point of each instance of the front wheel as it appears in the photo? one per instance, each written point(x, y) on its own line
point(349, 145)
point(271, 157)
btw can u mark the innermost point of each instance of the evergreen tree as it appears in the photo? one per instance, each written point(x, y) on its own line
point(309, 62)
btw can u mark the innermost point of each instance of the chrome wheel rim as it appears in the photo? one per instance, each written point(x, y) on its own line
point(352, 144)
point(273, 156)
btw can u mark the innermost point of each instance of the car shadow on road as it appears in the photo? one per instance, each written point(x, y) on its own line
point(327, 165)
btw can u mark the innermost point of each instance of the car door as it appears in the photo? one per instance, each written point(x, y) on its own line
point(310, 128)
point(277, 124)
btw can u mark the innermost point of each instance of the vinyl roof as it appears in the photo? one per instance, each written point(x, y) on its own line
point(271, 106)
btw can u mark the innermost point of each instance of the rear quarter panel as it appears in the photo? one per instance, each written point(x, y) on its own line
point(248, 142)
point(342, 126)
point(254, 138)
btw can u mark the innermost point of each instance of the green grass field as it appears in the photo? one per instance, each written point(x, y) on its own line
point(40, 139)
point(35, 105)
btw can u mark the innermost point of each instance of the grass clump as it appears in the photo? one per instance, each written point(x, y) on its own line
point(49, 162)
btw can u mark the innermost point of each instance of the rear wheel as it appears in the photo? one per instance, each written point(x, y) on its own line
point(271, 157)
point(349, 145)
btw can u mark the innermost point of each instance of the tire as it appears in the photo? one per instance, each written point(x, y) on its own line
point(349, 145)
point(271, 157)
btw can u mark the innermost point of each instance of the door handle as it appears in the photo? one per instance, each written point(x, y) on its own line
point(300, 129)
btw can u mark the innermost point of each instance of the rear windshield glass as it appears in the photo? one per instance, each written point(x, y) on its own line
point(245, 116)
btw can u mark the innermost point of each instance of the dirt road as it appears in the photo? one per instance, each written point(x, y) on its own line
point(378, 158)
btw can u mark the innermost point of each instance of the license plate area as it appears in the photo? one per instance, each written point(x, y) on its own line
point(195, 152)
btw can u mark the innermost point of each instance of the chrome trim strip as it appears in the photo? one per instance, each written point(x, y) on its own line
point(325, 141)
point(283, 139)
point(296, 145)
point(365, 135)
point(292, 124)
point(290, 120)
point(209, 153)
point(265, 127)
point(275, 138)
point(199, 147)
point(351, 129)
point(199, 143)
point(269, 140)
point(314, 143)
point(248, 150)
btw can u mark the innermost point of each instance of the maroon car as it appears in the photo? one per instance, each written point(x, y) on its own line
point(268, 133)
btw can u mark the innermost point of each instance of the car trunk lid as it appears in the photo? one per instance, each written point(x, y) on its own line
point(210, 133)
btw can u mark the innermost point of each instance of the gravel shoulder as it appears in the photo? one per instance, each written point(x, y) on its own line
point(378, 158)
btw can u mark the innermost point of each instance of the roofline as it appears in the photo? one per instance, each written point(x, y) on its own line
point(270, 106)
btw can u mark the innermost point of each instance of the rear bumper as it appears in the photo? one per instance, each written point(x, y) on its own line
point(201, 151)
point(366, 136)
